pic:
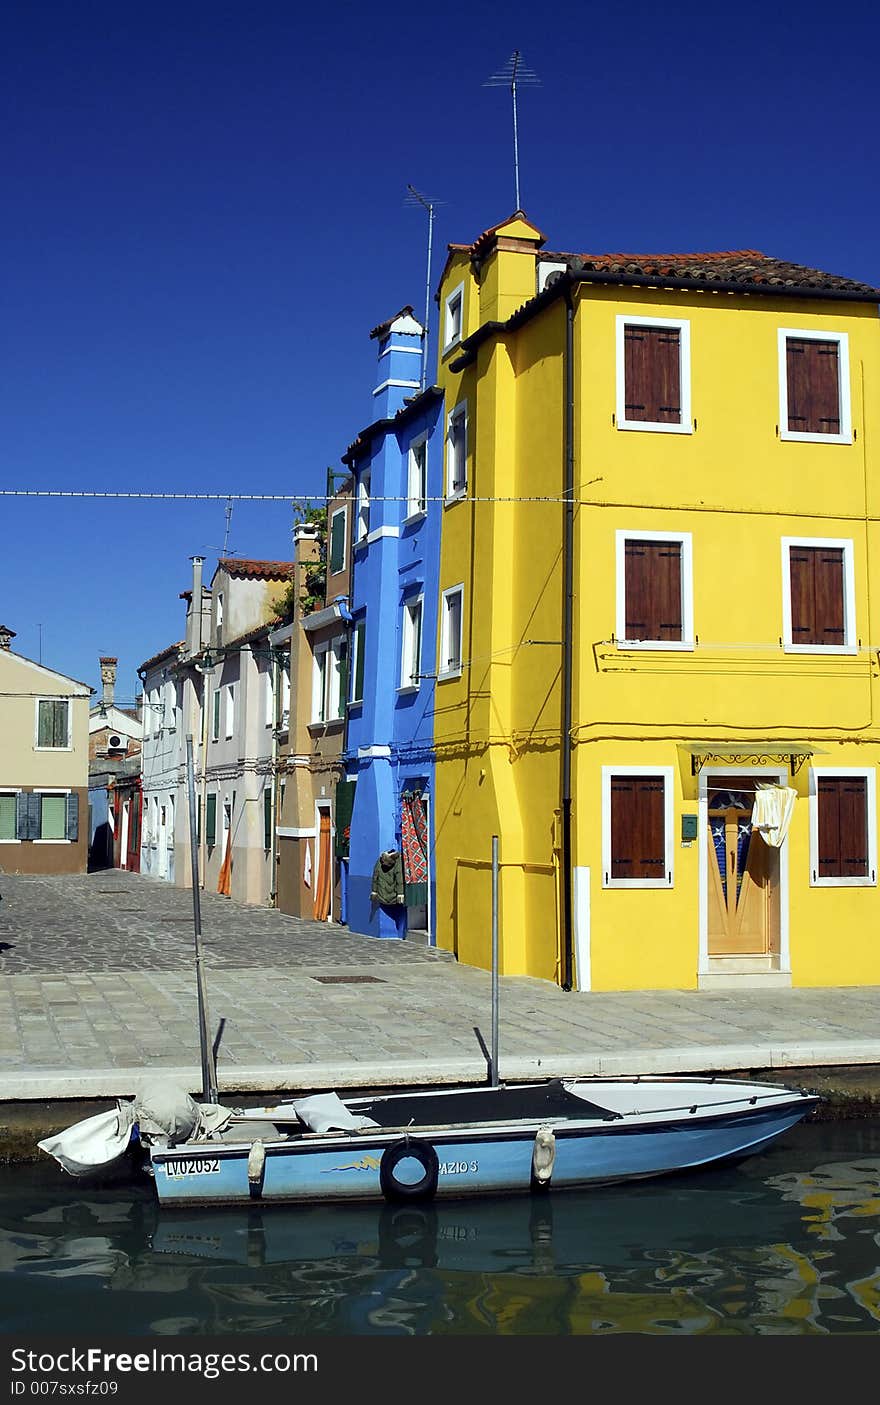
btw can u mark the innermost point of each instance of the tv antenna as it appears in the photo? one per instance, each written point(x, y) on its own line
point(415, 197)
point(512, 75)
point(224, 549)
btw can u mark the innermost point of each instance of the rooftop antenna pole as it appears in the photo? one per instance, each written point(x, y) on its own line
point(415, 197)
point(228, 520)
point(512, 74)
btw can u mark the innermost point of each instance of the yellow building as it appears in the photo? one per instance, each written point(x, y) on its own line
point(44, 766)
point(657, 663)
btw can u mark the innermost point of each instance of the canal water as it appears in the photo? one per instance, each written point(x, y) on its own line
point(785, 1243)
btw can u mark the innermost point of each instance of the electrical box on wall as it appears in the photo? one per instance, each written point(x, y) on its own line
point(688, 828)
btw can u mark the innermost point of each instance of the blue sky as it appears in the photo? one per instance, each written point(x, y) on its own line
point(204, 214)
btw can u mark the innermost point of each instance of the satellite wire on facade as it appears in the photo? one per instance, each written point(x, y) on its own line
point(415, 197)
point(514, 74)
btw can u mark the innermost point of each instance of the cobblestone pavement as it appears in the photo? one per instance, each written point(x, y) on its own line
point(119, 921)
point(98, 990)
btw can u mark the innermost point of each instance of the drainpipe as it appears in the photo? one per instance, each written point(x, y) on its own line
point(567, 645)
point(274, 673)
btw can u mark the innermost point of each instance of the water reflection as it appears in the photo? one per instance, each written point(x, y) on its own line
point(785, 1243)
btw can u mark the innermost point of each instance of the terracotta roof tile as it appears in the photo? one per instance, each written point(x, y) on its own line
point(256, 570)
point(749, 267)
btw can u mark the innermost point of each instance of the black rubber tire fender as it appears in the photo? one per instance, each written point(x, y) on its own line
point(409, 1148)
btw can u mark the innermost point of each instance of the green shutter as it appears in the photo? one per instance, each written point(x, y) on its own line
point(7, 817)
point(267, 816)
point(337, 542)
point(344, 807)
point(211, 821)
point(52, 722)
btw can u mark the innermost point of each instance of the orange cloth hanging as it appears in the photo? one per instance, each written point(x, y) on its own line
point(224, 881)
point(321, 905)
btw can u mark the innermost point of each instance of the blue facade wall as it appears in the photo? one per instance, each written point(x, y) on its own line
point(390, 732)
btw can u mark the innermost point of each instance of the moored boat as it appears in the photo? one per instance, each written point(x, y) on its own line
point(440, 1143)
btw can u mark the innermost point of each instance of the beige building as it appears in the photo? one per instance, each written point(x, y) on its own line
point(44, 766)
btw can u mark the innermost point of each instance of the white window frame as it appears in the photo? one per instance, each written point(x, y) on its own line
point(417, 479)
point(668, 879)
point(343, 513)
point(269, 694)
point(849, 645)
point(685, 540)
point(458, 414)
point(685, 425)
point(444, 671)
point(363, 507)
point(51, 790)
point(13, 794)
point(453, 318)
point(218, 618)
point(215, 714)
point(229, 710)
point(843, 387)
point(411, 653)
point(358, 639)
point(284, 711)
point(832, 773)
point(53, 698)
point(327, 701)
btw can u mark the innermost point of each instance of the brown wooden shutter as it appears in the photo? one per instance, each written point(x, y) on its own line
point(652, 374)
point(817, 596)
point(843, 827)
point(813, 371)
point(638, 848)
point(652, 585)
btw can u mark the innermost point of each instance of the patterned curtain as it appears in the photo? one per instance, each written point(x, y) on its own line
point(414, 842)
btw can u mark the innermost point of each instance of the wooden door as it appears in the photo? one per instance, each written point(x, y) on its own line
point(743, 873)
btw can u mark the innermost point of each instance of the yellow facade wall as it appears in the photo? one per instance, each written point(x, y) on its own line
point(737, 488)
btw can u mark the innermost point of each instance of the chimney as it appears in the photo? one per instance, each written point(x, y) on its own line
point(194, 633)
point(108, 679)
point(6, 636)
point(398, 377)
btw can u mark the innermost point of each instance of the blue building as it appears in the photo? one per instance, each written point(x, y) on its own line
point(396, 465)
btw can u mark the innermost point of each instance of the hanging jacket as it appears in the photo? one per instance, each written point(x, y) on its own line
point(387, 885)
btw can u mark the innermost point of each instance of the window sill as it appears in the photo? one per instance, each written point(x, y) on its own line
point(791, 436)
point(457, 496)
point(842, 650)
point(414, 517)
point(637, 883)
point(843, 882)
point(332, 725)
point(449, 675)
point(53, 748)
point(406, 689)
point(52, 841)
point(10, 841)
point(653, 428)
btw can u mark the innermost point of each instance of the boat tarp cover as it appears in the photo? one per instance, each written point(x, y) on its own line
point(504, 1104)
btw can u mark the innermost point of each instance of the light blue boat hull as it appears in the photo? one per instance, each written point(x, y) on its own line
point(482, 1160)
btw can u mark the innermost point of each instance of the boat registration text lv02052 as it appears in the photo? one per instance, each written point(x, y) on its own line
point(202, 1167)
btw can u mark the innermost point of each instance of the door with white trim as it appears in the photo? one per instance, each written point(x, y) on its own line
point(743, 879)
